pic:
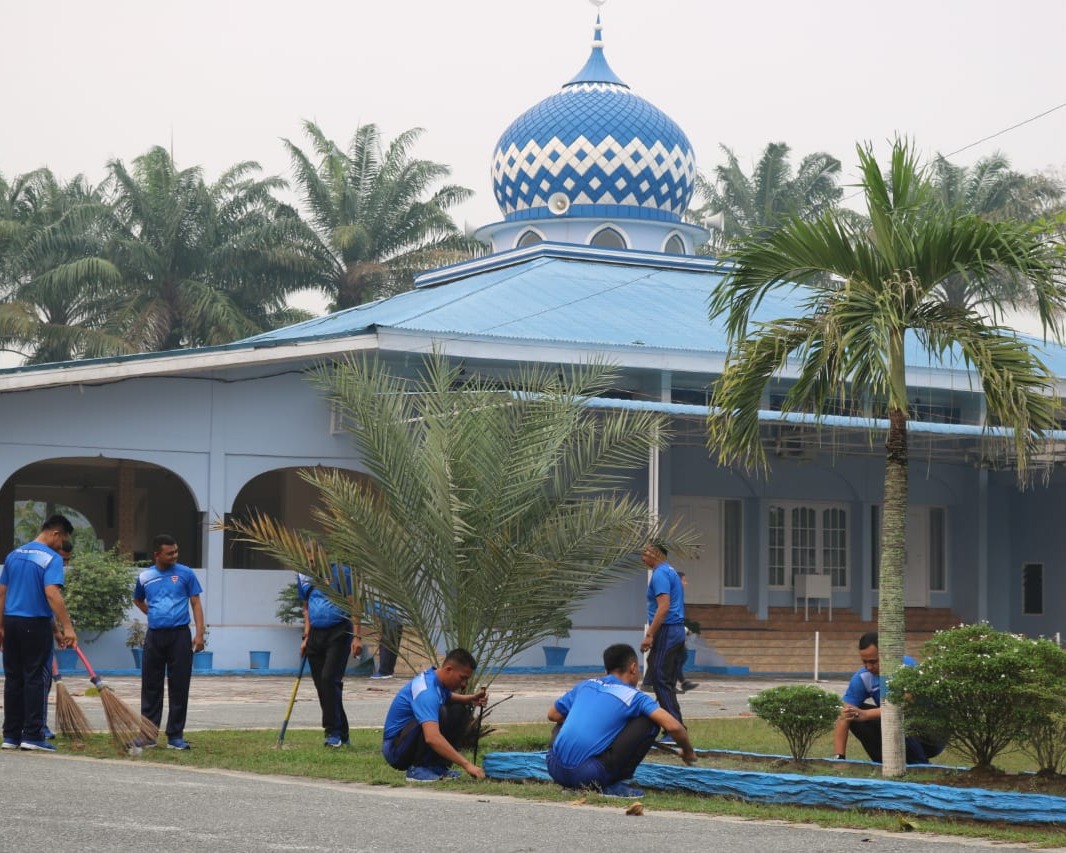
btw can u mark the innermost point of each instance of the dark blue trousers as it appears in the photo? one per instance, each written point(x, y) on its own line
point(615, 764)
point(327, 655)
point(666, 660)
point(167, 657)
point(27, 645)
point(409, 747)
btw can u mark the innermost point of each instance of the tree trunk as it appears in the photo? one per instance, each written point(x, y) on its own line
point(890, 613)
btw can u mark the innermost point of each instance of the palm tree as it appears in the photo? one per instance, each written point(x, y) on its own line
point(489, 516)
point(883, 285)
point(56, 282)
point(756, 205)
point(205, 264)
point(370, 208)
point(992, 190)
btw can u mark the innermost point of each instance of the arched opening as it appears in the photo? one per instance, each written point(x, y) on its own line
point(528, 238)
point(122, 501)
point(284, 495)
point(609, 238)
point(675, 245)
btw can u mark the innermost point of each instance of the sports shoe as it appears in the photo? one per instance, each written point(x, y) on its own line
point(144, 743)
point(667, 740)
point(11, 743)
point(178, 743)
point(42, 745)
point(380, 676)
point(621, 789)
point(686, 686)
point(451, 774)
point(49, 734)
point(425, 774)
point(335, 742)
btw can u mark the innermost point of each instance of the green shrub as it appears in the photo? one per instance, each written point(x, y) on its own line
point(290, 606)
point(982, 689)
point(801, 712)
point(98, 590)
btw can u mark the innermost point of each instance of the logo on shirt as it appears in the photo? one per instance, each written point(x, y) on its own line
point(173, 578)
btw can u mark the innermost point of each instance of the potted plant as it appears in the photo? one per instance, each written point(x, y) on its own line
point(98, 590)
point(203, 661)
point(135, 633)
point(555, 655)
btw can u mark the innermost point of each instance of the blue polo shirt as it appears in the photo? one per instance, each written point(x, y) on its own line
point(596, 711)
point(665, 579)
point(420, 699)
point(864, 685)
point(27, 571)
point(323, 612)
point(167, 594)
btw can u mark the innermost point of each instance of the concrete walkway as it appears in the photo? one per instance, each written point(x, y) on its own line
point(259, 701)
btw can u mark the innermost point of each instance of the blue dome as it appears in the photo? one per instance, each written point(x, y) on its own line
point(594, 149)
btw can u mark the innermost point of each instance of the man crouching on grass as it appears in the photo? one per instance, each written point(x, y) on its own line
point(424, 728)
point(605, 727)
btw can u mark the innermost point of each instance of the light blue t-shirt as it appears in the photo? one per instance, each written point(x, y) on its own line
point(420, 699)
point(27, 571)
point(864, 685)
point(167, 594)
point(322, 612)
point(665, 579)
point(596, 711)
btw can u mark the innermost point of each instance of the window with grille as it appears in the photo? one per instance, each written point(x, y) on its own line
point(806, 539)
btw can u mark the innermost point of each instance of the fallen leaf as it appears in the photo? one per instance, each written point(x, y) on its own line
point(636, 809)
point(580, 801)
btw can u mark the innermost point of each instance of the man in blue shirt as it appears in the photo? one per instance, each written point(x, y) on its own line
point(665, 638)
point(30, 598)
point(165, 592)
point(426, 722)
point(861, 714)
point(605, 727)
point(390, 634)
point(329, 637)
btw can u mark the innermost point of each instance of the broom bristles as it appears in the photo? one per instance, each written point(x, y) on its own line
point(70, 717)
point(128, 728)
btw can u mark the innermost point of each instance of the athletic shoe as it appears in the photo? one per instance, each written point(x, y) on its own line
point(335, 742)
point(621, 789)
point(11, 743)
point(178, 743)
point(380, 676)
point(667, 740)
point(425, 774)
point(49, 734)
point(686, 686)
point(451, 774)
point(42, 745)
point(144, 743)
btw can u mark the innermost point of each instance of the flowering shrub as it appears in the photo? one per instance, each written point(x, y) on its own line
point(984, 690)
point(801, 712)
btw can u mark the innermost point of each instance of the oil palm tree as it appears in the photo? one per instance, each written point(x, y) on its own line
point(204, 264)
point(56, 282)
point(992, 190)
point(756, 205)
point(370, 207)
point(883, 285)
point(489, 516)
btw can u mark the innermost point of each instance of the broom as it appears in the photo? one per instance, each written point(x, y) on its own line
point(128, 728)
point(70, 718)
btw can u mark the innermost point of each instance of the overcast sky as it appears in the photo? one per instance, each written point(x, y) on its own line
point(226, 80)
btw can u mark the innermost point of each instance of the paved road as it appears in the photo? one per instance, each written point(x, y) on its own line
point(62, 803)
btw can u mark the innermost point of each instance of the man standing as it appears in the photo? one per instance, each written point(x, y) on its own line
point(165, 592)
point(390, 633)
point(425, 726)
point(329, 635)
point(665, 637)
point(30, 598)
point(605, 727)
point(861, 715)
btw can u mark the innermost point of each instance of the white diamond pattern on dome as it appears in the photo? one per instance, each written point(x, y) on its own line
point(599, 144)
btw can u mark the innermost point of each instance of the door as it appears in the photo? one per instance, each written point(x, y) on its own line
point(703, 570)
point(916, 573)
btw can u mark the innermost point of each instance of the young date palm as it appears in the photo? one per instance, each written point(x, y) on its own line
point(489, 515)
point(883, 286)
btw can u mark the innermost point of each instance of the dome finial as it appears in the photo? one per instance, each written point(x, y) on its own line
point(596, 69)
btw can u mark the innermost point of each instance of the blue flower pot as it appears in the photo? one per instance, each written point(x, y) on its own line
point(259, 660)
point(67, 660)
point(138, 656)
point(555, 655)
point(202, 661)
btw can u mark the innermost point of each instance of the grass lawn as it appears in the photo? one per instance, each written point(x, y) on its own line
point(304, 755)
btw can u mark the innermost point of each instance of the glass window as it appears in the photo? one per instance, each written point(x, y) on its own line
point(608, 238)
point(1033, 588)
point(776, 537)
point(528, 238)
point(675, 246)
point(808, 540)
point(731, 533)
